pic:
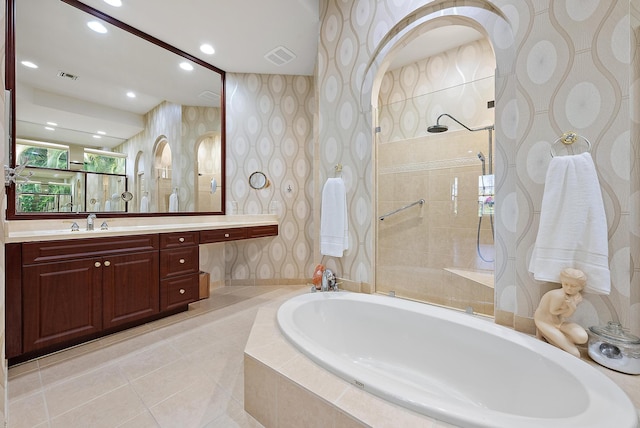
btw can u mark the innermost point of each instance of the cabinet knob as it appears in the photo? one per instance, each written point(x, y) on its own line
point(181, 261)
point(97, 264)
point(226, 235)
point(107, 263)
point(181, 239)
point(182, 291)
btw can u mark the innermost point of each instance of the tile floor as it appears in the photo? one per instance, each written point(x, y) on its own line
point(182, 371)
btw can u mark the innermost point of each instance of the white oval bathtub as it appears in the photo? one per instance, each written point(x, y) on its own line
point(450, 365)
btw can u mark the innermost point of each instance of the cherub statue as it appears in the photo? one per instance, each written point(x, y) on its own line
point(558, 305)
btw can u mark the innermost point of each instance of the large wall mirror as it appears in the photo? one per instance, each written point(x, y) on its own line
point(108, 119)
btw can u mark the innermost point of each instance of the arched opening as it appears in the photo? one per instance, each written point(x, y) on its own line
point(208, 173)
point(434, 200)
point(162, 170)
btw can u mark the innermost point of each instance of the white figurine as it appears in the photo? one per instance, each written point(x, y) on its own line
point(558, 305)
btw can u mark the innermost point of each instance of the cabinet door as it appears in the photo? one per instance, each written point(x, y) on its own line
point(61, 302)
point(130, 288)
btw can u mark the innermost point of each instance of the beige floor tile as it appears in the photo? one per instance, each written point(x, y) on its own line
point(23, 385)
point(73, 393)
point(28, 412)
point(197, 405)
point(147, 361)
point(160, 384)
point(108, 410)
point(143, 420)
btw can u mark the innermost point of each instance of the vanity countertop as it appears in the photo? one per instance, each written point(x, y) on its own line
point(49, 230)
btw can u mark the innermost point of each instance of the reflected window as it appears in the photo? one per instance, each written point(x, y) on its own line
point(104, 162)
point(41, 154)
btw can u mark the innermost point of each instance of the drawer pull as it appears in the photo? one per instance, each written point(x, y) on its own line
point(97, 264)
point(182, 291)
point(181, 261)
point(226, 235)
point(107, 263)
point(181, 239)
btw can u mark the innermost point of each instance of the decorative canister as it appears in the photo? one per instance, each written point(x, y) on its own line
point(615, 348)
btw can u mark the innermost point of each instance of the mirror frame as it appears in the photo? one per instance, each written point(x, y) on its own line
point(10, 85)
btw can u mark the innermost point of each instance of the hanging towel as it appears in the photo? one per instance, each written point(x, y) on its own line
point(144, 204)
point(573, 225)
point(334, 225)
point(173, 203)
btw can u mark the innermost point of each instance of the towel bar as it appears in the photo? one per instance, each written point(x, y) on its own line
point(382, 217)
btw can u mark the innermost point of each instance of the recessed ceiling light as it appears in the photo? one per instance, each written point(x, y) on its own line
point(97, 27)
point(97, 137)
point(207, 49)
point(102, 133)
point(52, 123)
point(49, 128)
point(131, 94)
point(186, 66)
point(29, 64)
point(114, 3)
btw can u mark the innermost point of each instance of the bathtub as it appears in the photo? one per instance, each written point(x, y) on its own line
point(450, 365)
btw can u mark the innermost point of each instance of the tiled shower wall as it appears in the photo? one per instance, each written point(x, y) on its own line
point(421, 251)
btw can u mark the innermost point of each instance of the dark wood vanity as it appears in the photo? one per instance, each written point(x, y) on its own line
point(64, 292)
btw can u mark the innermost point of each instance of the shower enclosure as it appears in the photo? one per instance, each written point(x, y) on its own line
point(440, 251)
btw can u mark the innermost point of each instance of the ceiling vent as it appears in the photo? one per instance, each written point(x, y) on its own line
point(67, 75)
point(210, 96)
point(280, 56)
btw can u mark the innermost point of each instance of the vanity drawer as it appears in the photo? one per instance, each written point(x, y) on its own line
point(221, 235)
point(178, 239)
point(55, 251)
point(179, 261)
point(180, 291)
point(261, 231)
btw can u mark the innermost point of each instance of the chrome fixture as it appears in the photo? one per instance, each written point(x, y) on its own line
point(437, 128)
point(90, 219)
point(75, 227)
point(15, 176)
point(419, 202)
point(104, 225)
point(482, 159)
point(329, 282)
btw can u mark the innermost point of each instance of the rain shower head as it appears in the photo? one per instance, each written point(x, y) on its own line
point(437, 128)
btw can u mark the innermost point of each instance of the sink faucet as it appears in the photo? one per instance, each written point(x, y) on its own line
point(90, 219)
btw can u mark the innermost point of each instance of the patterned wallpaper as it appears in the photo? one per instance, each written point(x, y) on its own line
point(551, 76)
point(270, 129)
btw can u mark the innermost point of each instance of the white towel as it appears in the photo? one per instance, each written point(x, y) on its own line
point(573, 225)
point(173, 203)
point(144, 204)
point(334, 224)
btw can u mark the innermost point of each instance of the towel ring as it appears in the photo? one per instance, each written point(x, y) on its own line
point(570, 143)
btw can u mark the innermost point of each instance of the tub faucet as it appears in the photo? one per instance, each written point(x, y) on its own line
point(329, 281)
point(90, 219)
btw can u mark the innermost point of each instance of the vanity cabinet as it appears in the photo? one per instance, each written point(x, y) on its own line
point(64, 292)
point(69, 294)
point(179, 269)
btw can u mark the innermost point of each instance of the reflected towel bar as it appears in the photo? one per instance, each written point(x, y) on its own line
point(420, 202)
